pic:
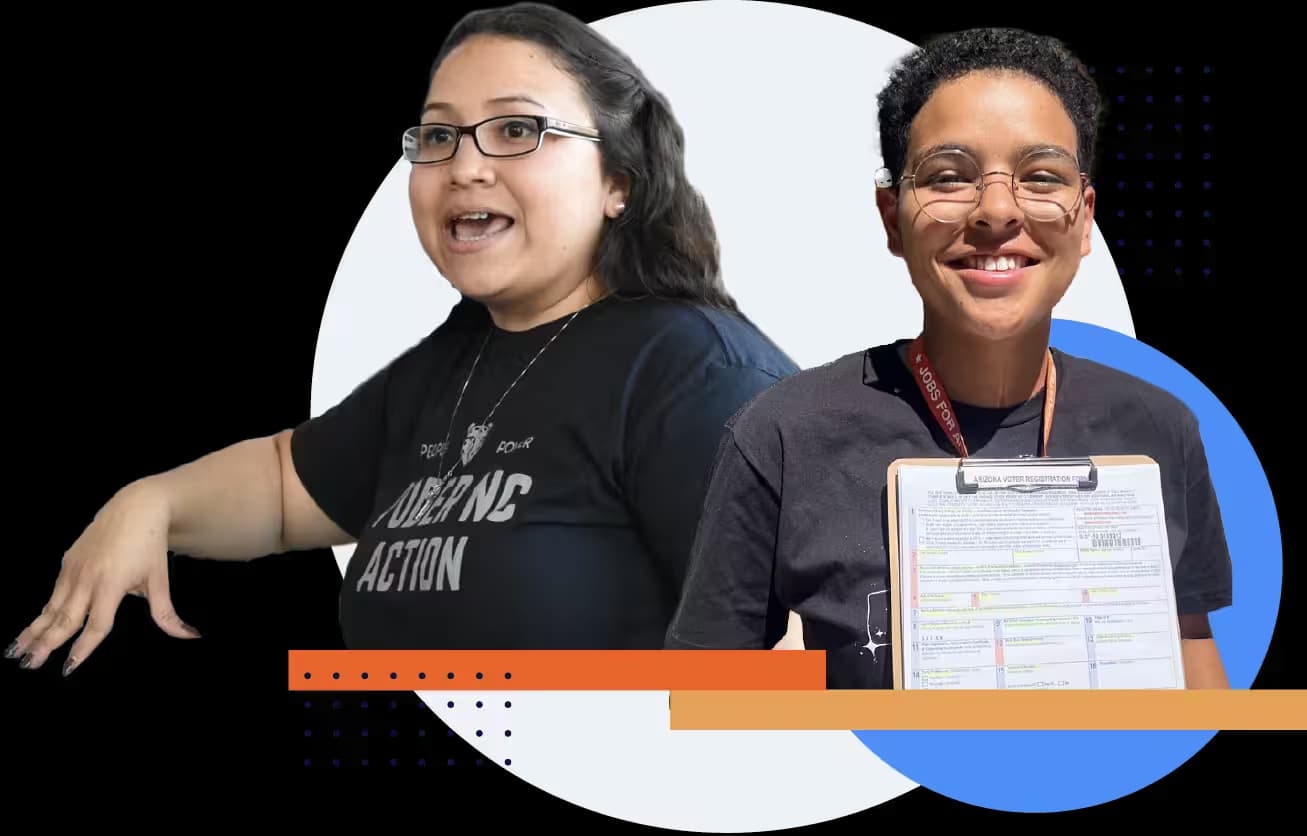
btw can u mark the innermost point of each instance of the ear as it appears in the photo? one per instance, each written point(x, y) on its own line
point(1090, 197)
point(887, 202)
point(619, 189)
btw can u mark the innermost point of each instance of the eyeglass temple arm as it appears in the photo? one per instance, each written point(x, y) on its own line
point(552, 124)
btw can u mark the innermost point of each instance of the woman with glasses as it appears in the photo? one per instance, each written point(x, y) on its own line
point(987, 137)
point(530, 474)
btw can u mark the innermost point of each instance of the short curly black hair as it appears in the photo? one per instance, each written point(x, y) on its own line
point(948, 57)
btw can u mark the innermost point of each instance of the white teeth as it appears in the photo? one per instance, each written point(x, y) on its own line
point(472, 216)
point(1000, 264)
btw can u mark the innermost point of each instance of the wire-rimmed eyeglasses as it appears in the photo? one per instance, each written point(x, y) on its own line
point(500, 136)
point(1047, 184)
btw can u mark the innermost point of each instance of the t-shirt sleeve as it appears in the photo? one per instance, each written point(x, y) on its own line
point(337, 454)
point(671, 451)
point(1203, 575)
point(728, 601)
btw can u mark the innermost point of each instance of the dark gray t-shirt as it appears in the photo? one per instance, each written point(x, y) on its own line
point(795, 516)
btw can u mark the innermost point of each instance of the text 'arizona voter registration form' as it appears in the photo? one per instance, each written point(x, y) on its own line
point(1029, 581)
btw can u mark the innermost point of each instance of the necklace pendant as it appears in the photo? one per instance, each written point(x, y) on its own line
point(476, 436)
point(428, 497)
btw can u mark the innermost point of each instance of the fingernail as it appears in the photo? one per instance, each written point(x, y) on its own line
point(11, 652)
point(191, 630)
point(69, 665)
point(27, 661)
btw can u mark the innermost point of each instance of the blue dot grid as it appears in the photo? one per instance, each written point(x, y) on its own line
point(1177, 98)
point(1047, 771)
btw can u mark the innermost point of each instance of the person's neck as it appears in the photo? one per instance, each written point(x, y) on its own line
point(984, 372)
point(529, 313)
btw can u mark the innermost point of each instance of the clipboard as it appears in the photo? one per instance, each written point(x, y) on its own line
point(965, 482)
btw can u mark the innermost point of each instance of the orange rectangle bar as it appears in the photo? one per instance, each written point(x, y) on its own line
point(555, 670)
point(1197, 710)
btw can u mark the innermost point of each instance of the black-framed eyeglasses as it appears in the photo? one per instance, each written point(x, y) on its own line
point(1047, 184)
point(500, 136)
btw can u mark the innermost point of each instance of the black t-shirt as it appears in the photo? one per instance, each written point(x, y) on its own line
point(795, 516)
point(571, 526)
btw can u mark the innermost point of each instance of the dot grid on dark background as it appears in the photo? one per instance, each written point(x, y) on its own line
point(233, 163)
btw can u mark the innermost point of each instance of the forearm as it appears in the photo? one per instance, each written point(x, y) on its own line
point(226, 505)
point(1202, 664)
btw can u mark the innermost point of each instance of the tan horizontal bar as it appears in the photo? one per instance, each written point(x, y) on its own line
point(1199, 710)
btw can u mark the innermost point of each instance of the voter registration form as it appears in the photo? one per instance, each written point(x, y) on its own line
point(1035, 574)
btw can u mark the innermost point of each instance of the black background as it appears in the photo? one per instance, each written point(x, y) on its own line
point(180, 196)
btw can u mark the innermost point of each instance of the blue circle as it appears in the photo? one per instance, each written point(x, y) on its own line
point(1050, 771)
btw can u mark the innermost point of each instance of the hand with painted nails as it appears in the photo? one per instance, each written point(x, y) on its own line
point(239, 503)
point(123, 551)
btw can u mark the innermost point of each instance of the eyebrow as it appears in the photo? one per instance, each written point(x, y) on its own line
point(513, 99)
point(1023, 151)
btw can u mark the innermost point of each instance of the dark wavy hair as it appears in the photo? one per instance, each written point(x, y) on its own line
point(951, 56)
point(664, 243)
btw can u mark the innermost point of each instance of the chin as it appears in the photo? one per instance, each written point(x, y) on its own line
point(997, 322)
point(480, 288)
point(478, 281)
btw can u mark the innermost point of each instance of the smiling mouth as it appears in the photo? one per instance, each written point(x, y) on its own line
point(993, 264)
point(478, 226)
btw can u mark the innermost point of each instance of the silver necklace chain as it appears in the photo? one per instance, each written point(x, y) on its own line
point(476, 433)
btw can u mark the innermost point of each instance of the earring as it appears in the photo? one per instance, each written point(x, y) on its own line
point(621, 207)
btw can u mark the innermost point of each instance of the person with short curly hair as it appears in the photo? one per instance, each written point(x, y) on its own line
point(988, 141)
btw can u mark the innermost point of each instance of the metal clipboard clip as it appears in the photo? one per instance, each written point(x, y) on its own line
point(1024, 475)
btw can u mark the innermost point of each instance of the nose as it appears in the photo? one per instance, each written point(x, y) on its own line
point(997, 208)
point(468, 165)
